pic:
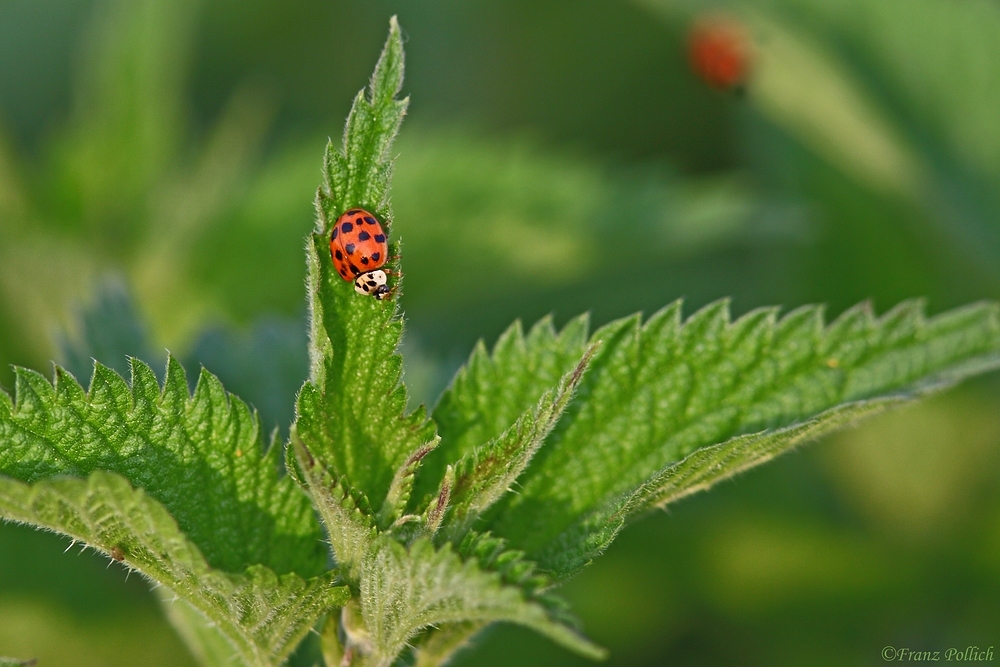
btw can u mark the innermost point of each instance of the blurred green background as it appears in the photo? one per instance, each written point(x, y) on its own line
point(158, 160)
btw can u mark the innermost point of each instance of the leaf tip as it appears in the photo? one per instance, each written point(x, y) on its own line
point(387, 79)
point(438, 508)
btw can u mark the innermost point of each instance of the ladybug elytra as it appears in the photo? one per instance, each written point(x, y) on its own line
point(359, 249)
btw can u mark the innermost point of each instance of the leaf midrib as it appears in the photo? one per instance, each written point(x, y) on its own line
point(799, 372)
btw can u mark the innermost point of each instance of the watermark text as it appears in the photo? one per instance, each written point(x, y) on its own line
point(967, 654)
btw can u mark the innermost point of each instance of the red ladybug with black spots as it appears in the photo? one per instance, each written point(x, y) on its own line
point(359, 249)
point(720, 52)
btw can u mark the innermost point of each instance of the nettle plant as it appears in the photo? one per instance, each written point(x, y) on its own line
point(416, 511)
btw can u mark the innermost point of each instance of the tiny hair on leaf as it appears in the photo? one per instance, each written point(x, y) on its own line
point(660, 391)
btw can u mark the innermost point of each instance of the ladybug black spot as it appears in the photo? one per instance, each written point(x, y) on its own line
point(334, 233)
point(346, 227)
point(343, 272)
point(364, 236)
point(380, 238)
point(339, 255)
point(364, 260)
point(370, 220)
point(364, 287)
point(375, 256)
point(355, 270)
point(349, 248)
point(372, 283)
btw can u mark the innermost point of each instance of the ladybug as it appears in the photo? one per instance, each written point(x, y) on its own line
point(359, 248)
point(720, 53)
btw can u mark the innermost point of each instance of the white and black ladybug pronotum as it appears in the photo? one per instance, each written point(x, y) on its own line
point(372, 283)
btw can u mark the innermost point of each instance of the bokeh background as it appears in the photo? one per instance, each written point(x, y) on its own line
point(158, 160)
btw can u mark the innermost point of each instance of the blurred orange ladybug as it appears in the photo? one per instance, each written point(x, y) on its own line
point(720, 53)
point(359, 249)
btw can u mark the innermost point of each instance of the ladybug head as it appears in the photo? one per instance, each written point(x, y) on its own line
point(372, 283)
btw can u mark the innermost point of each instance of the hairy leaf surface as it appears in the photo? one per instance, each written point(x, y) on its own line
point(351, 413)
point(493, 390)
point(660, 391)
point(263, 615)
point(202, 456)
point(405, 590)
point(591, 533)
point(346, 513)
point(486, 474)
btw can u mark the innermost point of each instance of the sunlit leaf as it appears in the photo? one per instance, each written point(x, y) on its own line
point(262, 615)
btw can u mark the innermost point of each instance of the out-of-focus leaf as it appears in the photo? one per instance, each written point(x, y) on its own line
point(109, 330)
point(899, 95)
point(13, 662)
point(512, 213)
point(203, 638)
point(265, 365)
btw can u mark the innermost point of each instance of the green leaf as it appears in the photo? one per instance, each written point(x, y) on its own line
point(402, 485)
point(330, 644)
point(708, 465)
point(493, 554)
point(202, 456)
point(264, 365)
point(491, 392)
point(486, 474)
point(263, 615)
point(346, 513)
point(405, 590)
point(351, 412)
point(441, 644)
point(592, 533)
point(225, 531)
point(661, 391)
